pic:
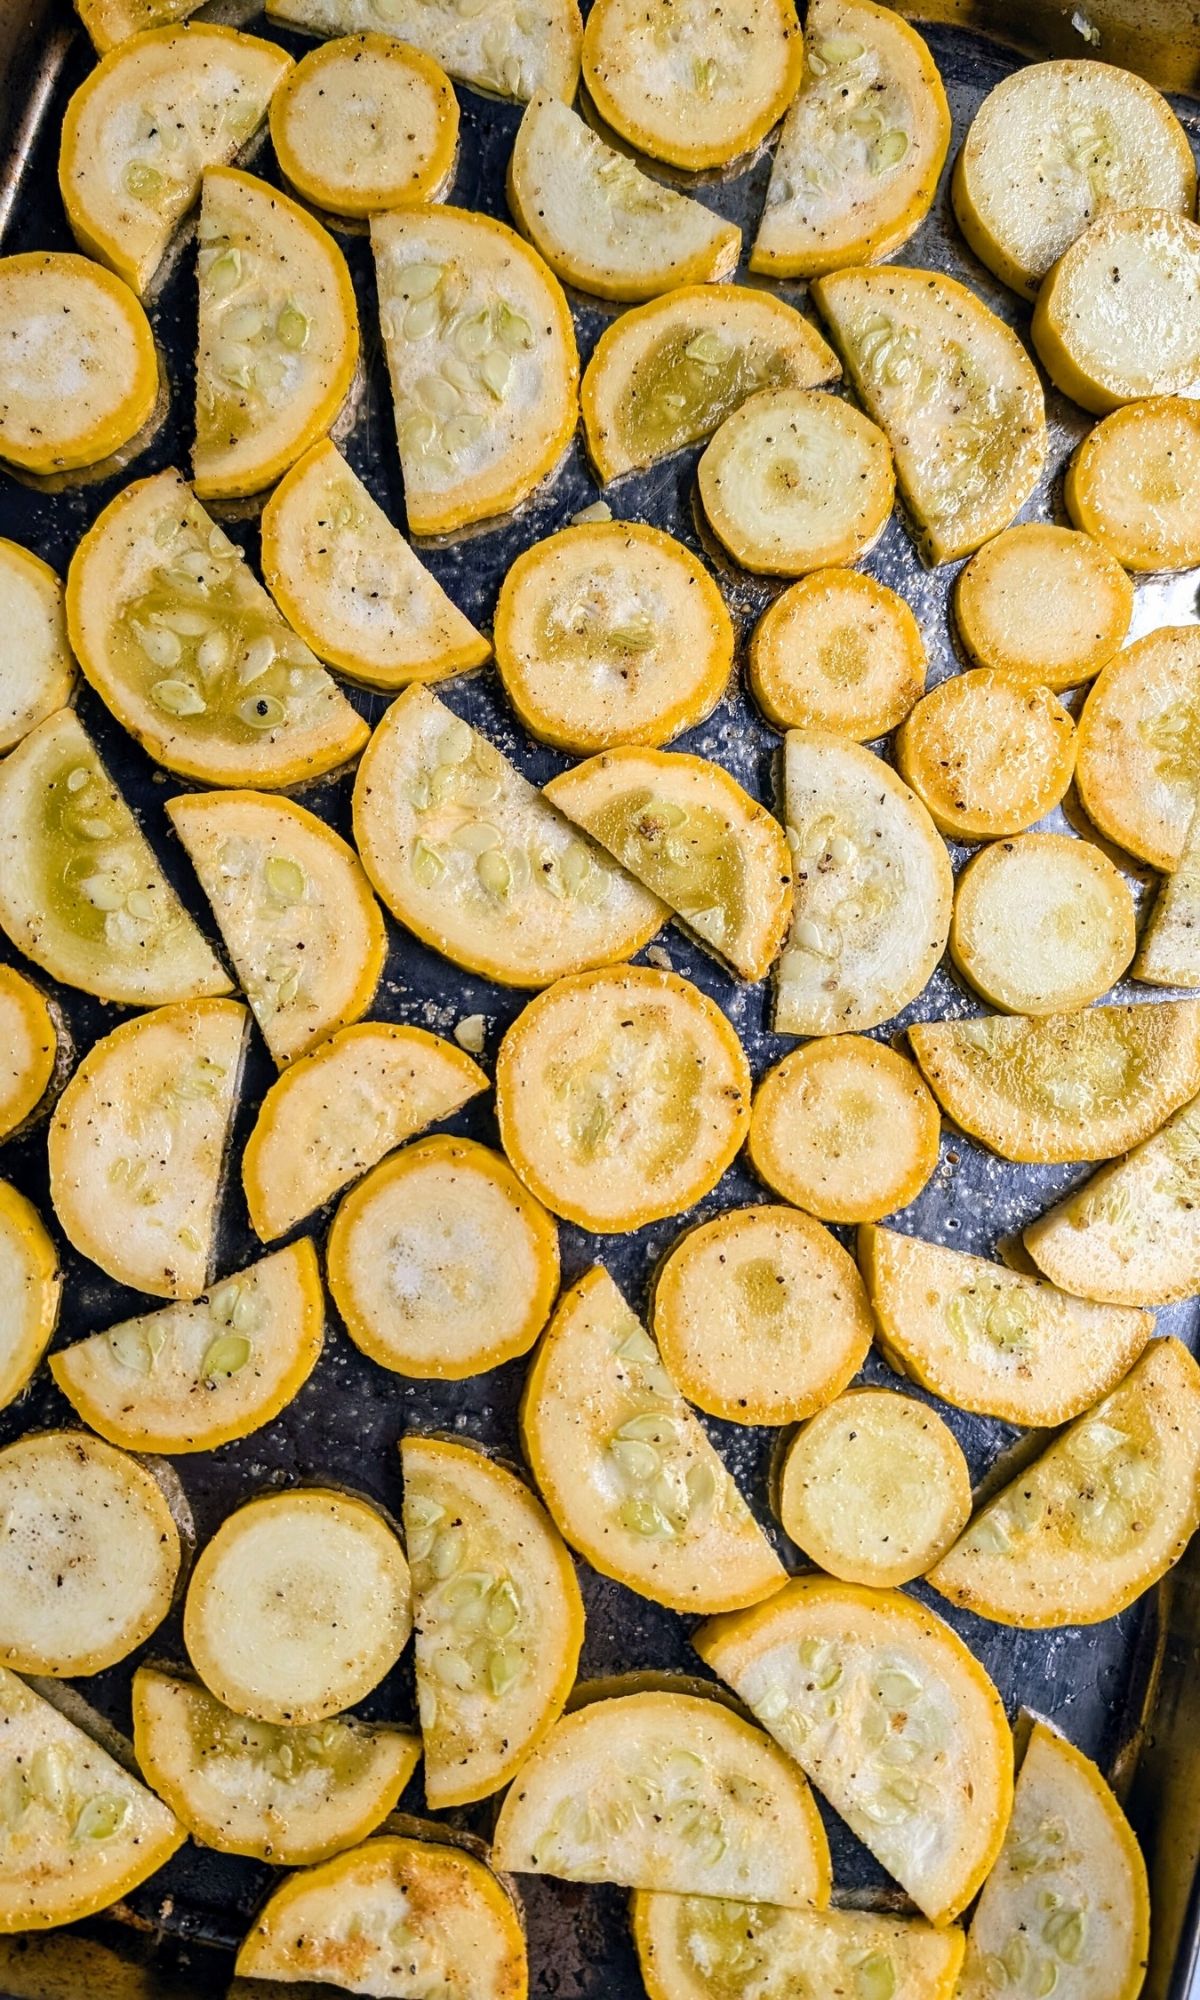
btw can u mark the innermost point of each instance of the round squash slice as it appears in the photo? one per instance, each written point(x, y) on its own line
point(1138, 735)
point(1067, 1905)
point(179, 638)
point(77, 362)
point(295, 910)
point(30, 1290)
point(29, 1050)
point(1066, 1087)
point(498, 1614)
point(627, 1470)
point(794, 480)
point(348, 582)
point(666, 1791)
point(837, 651)
point(1116, 318)
point(622, 1096)
point(142, 127)
point(1133, 484)
point(968, 427)
point(988, 755)
point(483, 364)
point(933, 1814)
point(703, 1948)
point(137, 1144)
point(992, 1340)
point(1100, 1516)
point(687, 830)
point(278, 342)
point(668, 373)
point(861, 149)
point(1169, 947)
point(845, 1128)
point(396, 1915)
point(873, 890)
point(496, 49)
point(80, 1833)
point(336, 1111)
point(298, 1606)
point(1043, 604)
point(37, 672)
point(440, 1263)
point(192, 1377)
point(1043, 924)
point(478, 864)
point(282, 1794)
point(89, 1554)
point(365, 123)
point(760, 1316)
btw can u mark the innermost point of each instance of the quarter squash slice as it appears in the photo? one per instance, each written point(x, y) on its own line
point(111, 21)
point(844, 1128)
point(703, 1948)
point(954, 390)
point(1116, 318)
point(30, 1290)
point(1136, 763)
point(627, 1470)
point(795, 480)
point(80, 368)
point(364, 123)
point(498, 1612)
point(862, 146)
point(482, 359)
point(78, 1831)
point(287, 1795)
point(1043, 924)
point(1169, 950)
point(666, 1791)
point(988, 1339)
point(37, 672)
point(179, 638)
point(838, 651)
point(506, 51)
point(192, 1377)
point(685, 827)
point(137, 1144)
point(841, 1676)
point(29, 1049)
point(295, 909)
point(1133, 484)
point(988, 755)
point(472, 859)
point(1043, 604)
point(1104, 1512)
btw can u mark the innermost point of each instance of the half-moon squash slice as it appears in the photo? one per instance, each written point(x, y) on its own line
point(795, 481)
point(29, 1049)
point(1169, 948)
point(364, 123)
point(1115, 319)
point(30, 1290)
point(37, 672)
point(81, 377)
point(1136, 761)
point(500, 48)
point(111, 21)
point(703, 1948)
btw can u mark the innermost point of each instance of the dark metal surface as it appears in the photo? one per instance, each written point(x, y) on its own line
point(347, 1419)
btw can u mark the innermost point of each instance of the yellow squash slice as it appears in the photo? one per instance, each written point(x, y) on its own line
point(79, 1832)
point(1116, 318)
point(934, 1814)
point(498, 1613)
point(988, 1339)
point(689, 84)
point(1136, 765)
point(80, 377)
point(611, 632)
point(336, 1111)
point(137, 1144)
point(660, 1790)
point(1065, 1086)
point(987, 754)
point(348, 582)
point(440, 1262)
point(483, 364)
point(365, 123)
point(295, 909)
point(1043, 924)
point(622, 1096)
point(844, 1128)
point(1067, 1905)
point(838, 651)
point(30, 1290)
point(179, 638)
point(473, 860)
point(143, 126)
point(89, 1554)
point(398, 1915)
point(667, 374)
point(286, 1795)
point(1133, 484)
point(1169, 950)
point(1043, 604)
point(600, 223)
point(298, 1606)
point(760, 1315)
point(703, 1948)
point(687, 830)
point(1100, 1516)
point(955, 391)
point(278, 344)
point(109, 22)
point(503, 49)
point(862, 146)
point(192, 1377)
point(873, 889)
point(795, 480)
point(29, 1049)
point(37, 672)
point(627, 1469)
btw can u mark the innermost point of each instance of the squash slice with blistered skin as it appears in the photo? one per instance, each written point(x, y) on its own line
point(1133, 484)
point(30, 1290)
point(1169, 950)
point(500, 48)
point(703, 1948)
point(1043, 924)
point(1116, 319)
point(81, 378)
point(936, 1819)
point(796, 481)
point(29, 1049)
point(1044, 605)
point(627, 1470)
point(844, 1128)
point(37, 672)
point(1136, 761)
point(364, 123)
